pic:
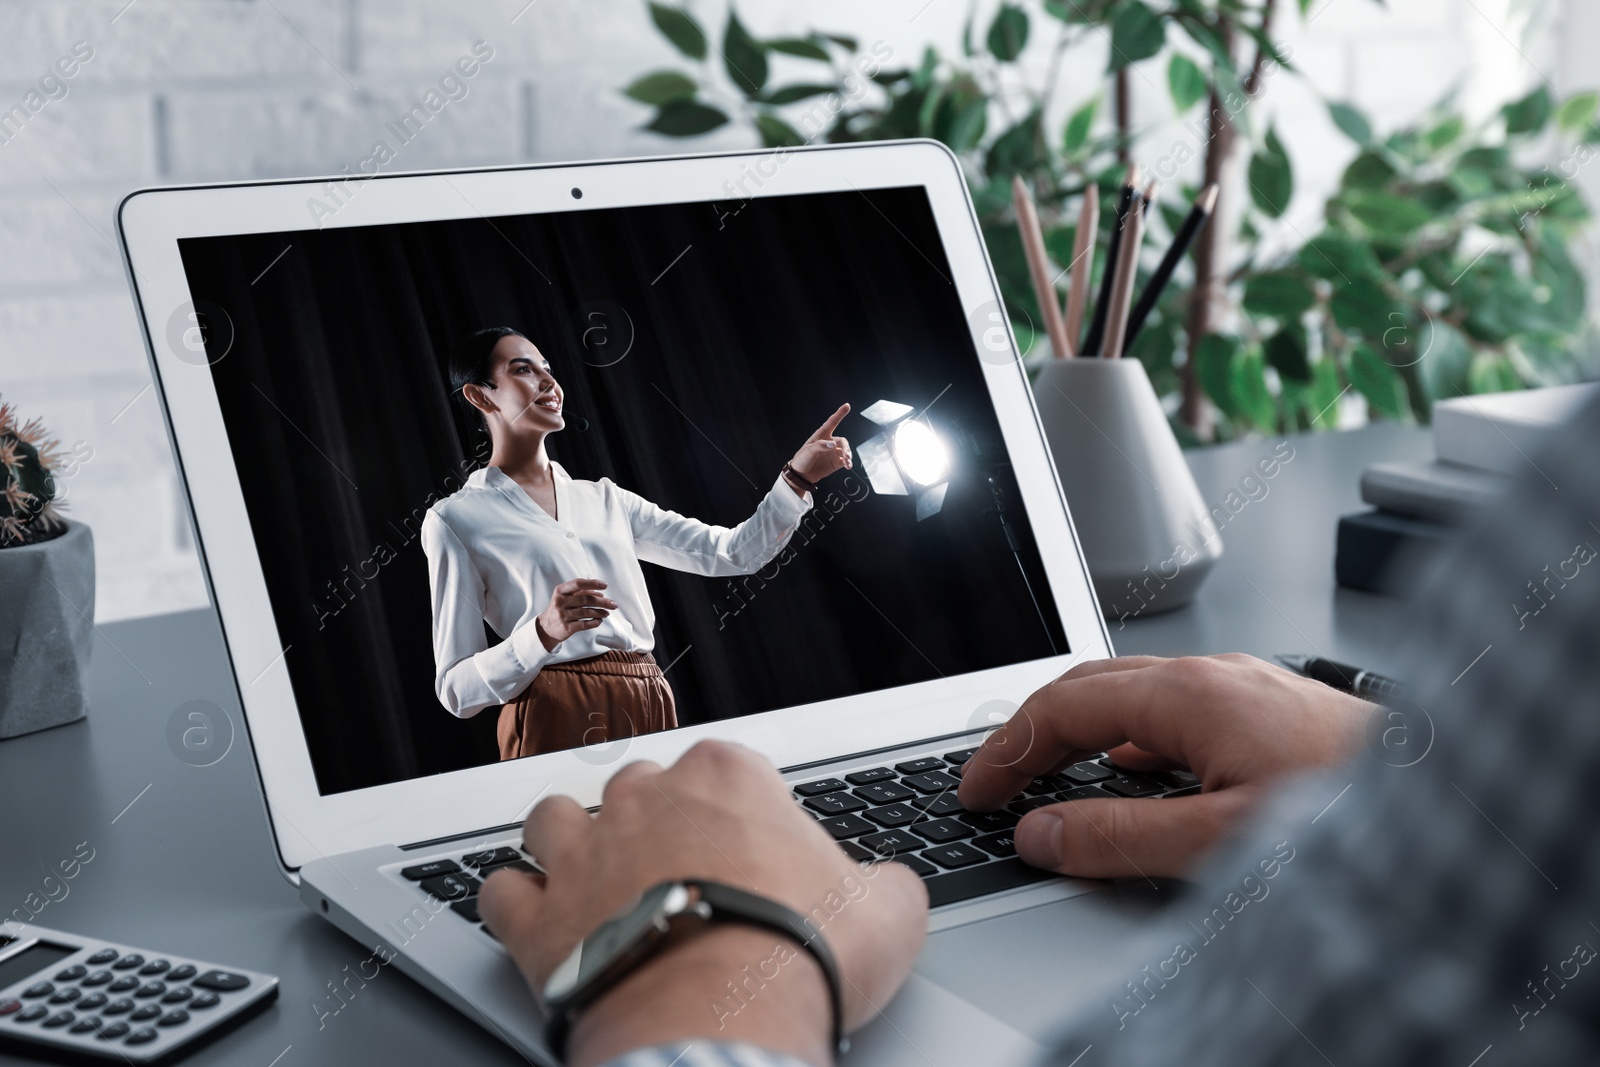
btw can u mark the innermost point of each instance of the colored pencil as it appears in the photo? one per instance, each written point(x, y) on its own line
point(1044, 289)
point(1181, 243)
point(1093, 343)
point(1082, 265)
point(1122, 289)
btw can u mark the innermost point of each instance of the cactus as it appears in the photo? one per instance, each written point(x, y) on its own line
point(29, 462)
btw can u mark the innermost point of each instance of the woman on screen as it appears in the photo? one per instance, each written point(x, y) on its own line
point(552, 563)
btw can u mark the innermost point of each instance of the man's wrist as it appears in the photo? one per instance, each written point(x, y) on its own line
point(727, 982)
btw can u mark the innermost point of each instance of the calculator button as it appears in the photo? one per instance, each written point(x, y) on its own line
point(105, 955)
point(175, 1017)
point(39, 989)
point(60, 1018)
point(181, 973)
point(148, 1011)
point(72, 974)
point(10, 1005)
point(98, 978)
point(155, 967)
point(116, 1029)
point(37, 1011)
point(222, 981)
point(151, 989)
point(141, 1035)
point(128, 962)
point(123, 984)
point(85, 1024)
point(205, 1000)
point(66, 996)
point(117, 1007)
point(430, 870)
point(91, 1002)
point(177, 996)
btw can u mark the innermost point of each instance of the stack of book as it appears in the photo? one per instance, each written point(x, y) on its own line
point(1483, 445)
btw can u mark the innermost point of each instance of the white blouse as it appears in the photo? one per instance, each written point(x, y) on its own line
point(495, 555)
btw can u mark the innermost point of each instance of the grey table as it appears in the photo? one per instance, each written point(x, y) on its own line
point(183, 860)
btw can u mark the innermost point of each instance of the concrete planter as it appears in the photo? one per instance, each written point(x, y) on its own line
point(46, 631)
point(1146, 533)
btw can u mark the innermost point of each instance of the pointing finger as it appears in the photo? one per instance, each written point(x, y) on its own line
point(827, 428)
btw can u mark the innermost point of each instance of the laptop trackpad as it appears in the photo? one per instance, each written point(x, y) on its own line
point(1031, 969)
point(929, 1026)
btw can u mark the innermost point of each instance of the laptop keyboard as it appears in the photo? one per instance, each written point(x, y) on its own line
point(906, 813)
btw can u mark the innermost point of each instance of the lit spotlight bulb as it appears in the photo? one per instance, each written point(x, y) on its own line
point(921, 454)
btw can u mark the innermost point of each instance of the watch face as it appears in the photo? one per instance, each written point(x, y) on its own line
point(615, 937)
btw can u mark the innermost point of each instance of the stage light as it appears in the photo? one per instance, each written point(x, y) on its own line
point(908, 458)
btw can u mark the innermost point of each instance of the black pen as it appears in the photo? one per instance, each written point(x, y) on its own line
point(1363, 683)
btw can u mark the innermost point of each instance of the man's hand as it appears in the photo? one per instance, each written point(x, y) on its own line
point(823, 453)
point(574, 606)
point(720, 813)
point(1235, 721)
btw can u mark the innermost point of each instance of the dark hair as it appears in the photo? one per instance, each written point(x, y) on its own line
point(471, 363)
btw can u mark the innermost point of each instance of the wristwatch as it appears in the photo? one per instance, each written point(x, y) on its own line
point(620, 945)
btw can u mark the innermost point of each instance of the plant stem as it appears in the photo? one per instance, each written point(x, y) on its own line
point(1124, 101)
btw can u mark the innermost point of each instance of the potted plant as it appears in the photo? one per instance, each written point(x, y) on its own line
point(46, 586)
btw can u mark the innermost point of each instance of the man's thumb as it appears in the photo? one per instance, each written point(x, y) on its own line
point(1127, 838)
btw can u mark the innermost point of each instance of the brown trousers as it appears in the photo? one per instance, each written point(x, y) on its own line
point(585, 702)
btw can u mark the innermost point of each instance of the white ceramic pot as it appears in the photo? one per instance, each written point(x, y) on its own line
point(46, 631)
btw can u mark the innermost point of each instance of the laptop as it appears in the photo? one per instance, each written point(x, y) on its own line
point(703, 315)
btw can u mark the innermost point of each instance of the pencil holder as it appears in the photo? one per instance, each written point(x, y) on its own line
point(1146, 533)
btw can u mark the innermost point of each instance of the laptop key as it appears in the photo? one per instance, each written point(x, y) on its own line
point(954, 856)
point(430, 870)
point(884, 792)
point(817, 788)
point(1133, 787)
point(515, 865)
point(938, 805)
point(958, 758)
point(835, 803)
point(1087, 773)
point(451, 886)
point(859, 854)
point(491, 857)
point(867, 777)
point(1189, 791)
point(953, 886)
point(1084, 792)
point(1022, 807)
point(940, 831)
point(467, 909)
point(843, 826)
point(1002, 844)
point(918, 865)
point(893, 815)
point(918, 766)
point(932, 782)
point(892, 843)
point(987, 822)
point(1043, 786)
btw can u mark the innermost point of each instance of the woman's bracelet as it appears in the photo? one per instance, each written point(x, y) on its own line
point(796, 479)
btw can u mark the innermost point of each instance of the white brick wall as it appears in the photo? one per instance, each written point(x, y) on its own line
point(184, 90)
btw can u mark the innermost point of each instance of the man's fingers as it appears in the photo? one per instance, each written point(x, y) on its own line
point(509, 903)
point(1133, 758)
point(578, 584)
point(827, 428)
point(1115, 838)
point(621, 782)
point(554, 830)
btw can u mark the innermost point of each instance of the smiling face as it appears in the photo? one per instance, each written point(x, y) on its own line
point(526, 398)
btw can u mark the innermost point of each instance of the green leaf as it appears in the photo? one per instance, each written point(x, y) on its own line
point(1008, 33)
point(803, 47)
point(1380, 383)
point(685, 118)
point(1352, 122)
point(1530, 114)
point(1136, 33)
point(1493, 374)
point(776, 133)
point(967, 128)
point(1186, 81)
point(1364, 307)
point(1322, 407)
point(1249, 384)
point(1387, 214)
point(1369, 170)
point(679, 27)
point(849, 44)
point(1272, 178)
point(1577, 111)
point(743, 56)
point(1016, 150)
point(1281, 295)
point(1286, 353)
point(1213, 363)
point(1079, 125)
point(788, 94)
point(661, 87)
point(1446, 133)
point(1446, 357)
point(1338, 257)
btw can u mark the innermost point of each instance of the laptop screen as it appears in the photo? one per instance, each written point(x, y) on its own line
point(515, 482)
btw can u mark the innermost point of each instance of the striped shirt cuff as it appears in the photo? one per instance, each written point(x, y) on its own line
point(705, 1054)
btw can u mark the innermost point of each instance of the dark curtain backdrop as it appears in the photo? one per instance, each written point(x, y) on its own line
point(743, 329)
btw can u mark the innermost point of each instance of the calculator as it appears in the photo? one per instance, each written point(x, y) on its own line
point(82, 996)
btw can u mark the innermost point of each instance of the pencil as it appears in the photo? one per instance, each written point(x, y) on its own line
point(1044, 289)
point(1082, 264)
point(1093, 343)
point(1122, 290)
point(1181, 242)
